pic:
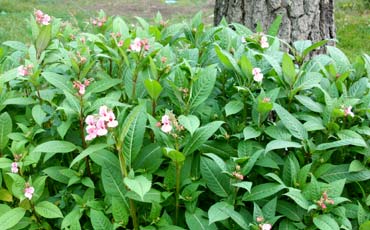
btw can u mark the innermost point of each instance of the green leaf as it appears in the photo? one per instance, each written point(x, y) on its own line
point(153, 87)
point(149, 158)
point(190, 123)
point(262, 191)
point(174, 155)
point(306, 82)
point(280, 144)
point(287, 225)
point(140, 185)
point(120, 26)
point(11, 218)
point(87, 152)
point(227, 60)
point(275, 26)
point(218, 160)
point(48, 210)
point(20, 46)
point(244, 184)
point(365, 225)
point(43, 39)
point(291, 123)
point(301, 45)
point(217, 212)
point(310, 104)
point(296, 195)
point(233, 107)
point(291, 211)
point(19, 101)
point(103, 85)
point(340, 143)
point(342, 63)
point(198, 220)
point(216, 181)
point(72, 219)
point(325, 222)
point(55, 147)
point(359, 88)
point(5, 129)
point(250, 133)
point(120, 210)
point(313, 47)
point(38, 114)
point(202, 87)
point(201, 135)
point(356, 166)
point(251, 162)
point(99, 221)
point(132, 134)
point(58, 81)
point(288, 69)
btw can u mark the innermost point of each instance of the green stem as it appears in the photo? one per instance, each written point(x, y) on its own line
point(122, 163)
point(178, 175)
point(82, 134)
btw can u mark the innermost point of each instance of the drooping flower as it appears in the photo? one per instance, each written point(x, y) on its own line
point(348, 111)
point(14, 167)
point(91, 132)
point(103, 112)
point(166, 124)
point(112, 122)
point(120, 43)
point(28, 191)
point(25, 70)
point(257, 74)
point(265, 226)
point(263, 42)
point(101, 128)
point(90, 120)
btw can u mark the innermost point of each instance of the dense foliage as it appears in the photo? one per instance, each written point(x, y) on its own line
point(173, 126)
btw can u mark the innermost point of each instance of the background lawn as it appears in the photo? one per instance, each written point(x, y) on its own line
point(352, 17)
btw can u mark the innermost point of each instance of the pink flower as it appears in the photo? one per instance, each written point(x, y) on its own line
point(166, 124)
point(103, 112)
point(257, 75)
point(46, 20)
point(112, 120)
point(28, 191)
point(136, 45)
point(14, 168)
point(120, 43)
point(92, 133)
point(266, 100)
point(265, 226)
point(90, 120)
point(347, 111)
point(94, 22)
point(41, 18)
point(263, 42)
point(260, 219)
point(22, 71)
point(101, 127)
point(81, 87)
point(238, 175)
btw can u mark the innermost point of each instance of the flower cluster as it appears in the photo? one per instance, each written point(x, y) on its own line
point(139, 44)
point(81, 59)
point(348, 111)
point(98, 124)
point(81, 86)
point(324, 200)
point(263, 42)
point(99, 21)
point(14, 167)
point(28, 191)
point(257, 74)
point(25, 70)
point(41, 18)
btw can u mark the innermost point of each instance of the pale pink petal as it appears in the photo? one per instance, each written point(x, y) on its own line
point(258, 77)
point(90, 120)
point(256, 71)
point(166, 128)
point(112, 124)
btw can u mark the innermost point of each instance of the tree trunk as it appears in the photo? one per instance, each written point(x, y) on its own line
point(302, 19)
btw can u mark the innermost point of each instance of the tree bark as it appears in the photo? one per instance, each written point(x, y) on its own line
point(302, 19)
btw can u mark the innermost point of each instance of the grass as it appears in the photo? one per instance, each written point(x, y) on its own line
point(352, 18)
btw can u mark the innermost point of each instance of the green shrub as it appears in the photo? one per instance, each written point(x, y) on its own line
point(179, 126)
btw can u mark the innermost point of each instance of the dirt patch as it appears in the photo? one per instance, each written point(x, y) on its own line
point(148, 8)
